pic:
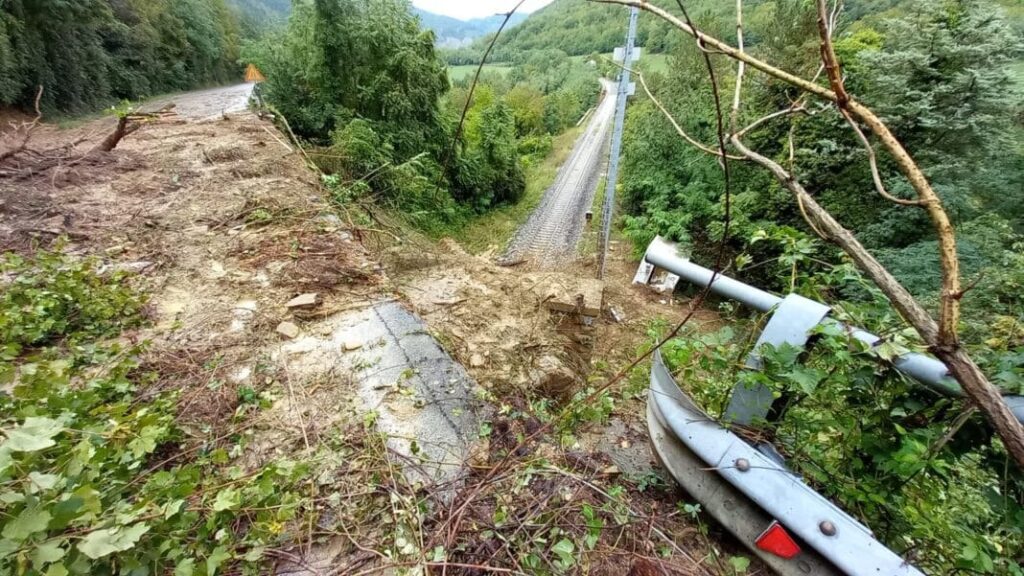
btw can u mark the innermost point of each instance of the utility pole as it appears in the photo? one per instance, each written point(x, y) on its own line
point(624, 91)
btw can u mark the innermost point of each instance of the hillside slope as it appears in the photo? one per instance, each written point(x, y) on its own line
point(580, 27)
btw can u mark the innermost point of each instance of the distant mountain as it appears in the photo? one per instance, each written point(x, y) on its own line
point(455, 33)
point(256, 16)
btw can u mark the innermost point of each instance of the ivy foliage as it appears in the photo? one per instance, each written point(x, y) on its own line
point(94, 478)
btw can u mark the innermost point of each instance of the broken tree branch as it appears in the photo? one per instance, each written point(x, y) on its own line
point(876, 176)
point(17, 149)
point(960, 365)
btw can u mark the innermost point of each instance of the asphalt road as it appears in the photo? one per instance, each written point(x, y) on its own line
point(207, 104)
point(550, 235)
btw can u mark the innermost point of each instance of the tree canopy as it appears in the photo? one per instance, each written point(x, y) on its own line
point(88, 53)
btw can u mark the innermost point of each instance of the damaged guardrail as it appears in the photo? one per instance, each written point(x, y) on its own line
point(748, 487)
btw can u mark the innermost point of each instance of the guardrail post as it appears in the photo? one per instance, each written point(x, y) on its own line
point(792, 323)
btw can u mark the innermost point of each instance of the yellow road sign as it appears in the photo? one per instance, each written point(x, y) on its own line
point(253, 74)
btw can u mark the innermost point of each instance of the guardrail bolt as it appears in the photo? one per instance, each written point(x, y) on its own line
point(827, 528)
point(742, 464)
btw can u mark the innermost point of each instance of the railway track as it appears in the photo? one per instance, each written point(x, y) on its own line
point(549, 237)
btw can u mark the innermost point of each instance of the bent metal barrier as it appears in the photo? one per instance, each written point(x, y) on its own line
point(747, 487)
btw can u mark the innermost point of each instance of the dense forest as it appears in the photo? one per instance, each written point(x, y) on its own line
point(576, 27)
point(377, 105)
point(90, 53)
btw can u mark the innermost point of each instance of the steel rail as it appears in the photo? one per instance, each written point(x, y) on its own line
point(925, 369)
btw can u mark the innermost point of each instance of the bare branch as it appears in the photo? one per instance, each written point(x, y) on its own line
point(679, 129)
point(28, 130)
point(740, 68)
point(828, 54)
point(795, 109)
point(873, 161)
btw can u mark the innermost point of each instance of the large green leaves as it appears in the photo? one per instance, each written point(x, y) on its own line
point(34, 434)
point(106, 541)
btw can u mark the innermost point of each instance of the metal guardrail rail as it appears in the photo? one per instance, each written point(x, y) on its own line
point(746, 487)
point(925, 369)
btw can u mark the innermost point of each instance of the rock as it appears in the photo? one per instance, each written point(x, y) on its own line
point(304, 301)
point(288, 330)
point(616, 314)
point(554, 379)
point(477, 360)
point(217, 270)
point(351, 345)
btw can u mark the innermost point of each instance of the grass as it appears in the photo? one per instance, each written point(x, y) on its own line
point(648, 62)
point(496, 228)
point(458, 73)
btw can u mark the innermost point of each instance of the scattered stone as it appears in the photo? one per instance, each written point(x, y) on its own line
point(217, 270)
point(126, 267)
point(643, 273)
point(351, 345)
point(616, 314)
point(554, 379)
point(288, 330)
point(477, 360)
point(54, 225)
point(664, 282)
point(570, 294)
point(304, 301)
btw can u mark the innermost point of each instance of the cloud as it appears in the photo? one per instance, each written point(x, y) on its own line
point(466, 9)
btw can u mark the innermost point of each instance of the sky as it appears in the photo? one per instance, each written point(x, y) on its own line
point(466, 9)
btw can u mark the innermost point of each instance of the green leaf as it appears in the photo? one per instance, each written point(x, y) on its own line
point(100, 543)
point(48, 553)
point(57, 570)
point(146, 441)
point(226, 500)
point(11, 497)
point(739, 564)
point(35, 434)
point(29, 522)
point(41, 482)
point(8, 547)
point(219, 555)
point(806, 379)
point(5, 458)
point(185, 567)
point(563, 547)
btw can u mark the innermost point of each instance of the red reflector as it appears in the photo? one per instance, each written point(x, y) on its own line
point(777, 541)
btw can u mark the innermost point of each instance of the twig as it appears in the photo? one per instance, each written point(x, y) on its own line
point(668, 115)
point(28, 130)
point(740, 67)
point(876, 176)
